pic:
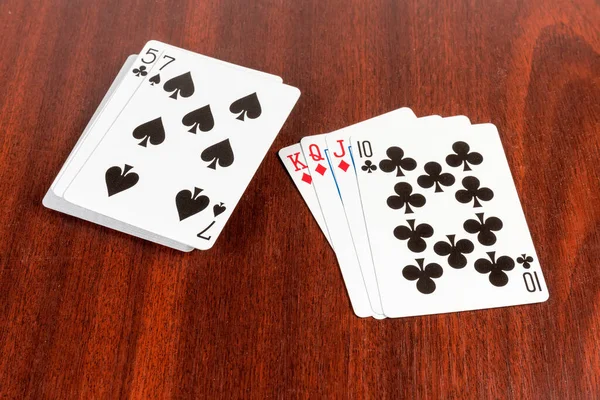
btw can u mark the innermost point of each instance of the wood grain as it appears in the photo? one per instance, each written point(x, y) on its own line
point(86, 312)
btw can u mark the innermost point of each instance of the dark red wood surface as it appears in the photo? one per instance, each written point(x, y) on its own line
point(90, 313)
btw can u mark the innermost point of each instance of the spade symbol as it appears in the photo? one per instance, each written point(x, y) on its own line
point(118, 180)
point(219, 152)
point(218, 209)
point(201, 118)
point(151, 130)
point(155, 80)
point(248, 106)
point(189, 204)
point(182, 85)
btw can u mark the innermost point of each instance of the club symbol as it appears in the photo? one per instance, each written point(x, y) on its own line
point(463, 156)
point(484, 229)
point(182, 85)
point(455, 252)
point(141, 70)
point(415, 236)
point(189, 204)
point(397, 162)
point(152, 131)
point(423, 276)
point(369, 167)
point(496, 268)
point(118, 180)
point(473, 192)
point(247, 106)
point(218, 209)
point(435, 177)
point(525, 261)
point(405, 197)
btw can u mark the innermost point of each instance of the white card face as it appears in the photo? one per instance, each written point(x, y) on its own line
point(59, 204)
point(315, 149)
point(445, 225)
point(344, 172)
point(154, 54)
point(146, 60)
point(179, 156)
point(127, 66)
point(295, 164)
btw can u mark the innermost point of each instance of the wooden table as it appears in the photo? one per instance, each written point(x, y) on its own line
point(87, 312)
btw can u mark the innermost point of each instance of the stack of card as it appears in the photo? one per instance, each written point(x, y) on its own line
point(422, 213)
point(172, 147)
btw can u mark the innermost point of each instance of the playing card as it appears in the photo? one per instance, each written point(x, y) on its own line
point(316, 155)
point(386, 124)
point(111, 91)
point(180, 154)
point(125, 83)
point(343, 168)
point(153, 54)
point(57, 203)
point(445, 226)
point(295, 164)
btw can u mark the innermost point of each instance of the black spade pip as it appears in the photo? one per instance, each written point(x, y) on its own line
point(189, 204)
point(182, 85)
point(155, 80)
point(248, 106)
point(220, 153)
point(200, 119)
point(118, 179)
point(151, 131)
point(218, 209)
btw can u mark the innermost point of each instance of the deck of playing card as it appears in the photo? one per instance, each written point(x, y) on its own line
point(422, 214)
point(172, 147)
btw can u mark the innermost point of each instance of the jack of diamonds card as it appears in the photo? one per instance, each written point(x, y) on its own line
point(344, 170)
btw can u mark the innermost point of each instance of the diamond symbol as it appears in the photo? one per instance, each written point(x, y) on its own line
point(321, 169)
point(343, 165)
point(306, 178)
